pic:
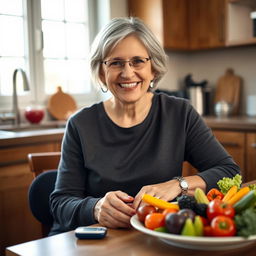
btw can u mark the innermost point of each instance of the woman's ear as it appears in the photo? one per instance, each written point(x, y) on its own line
point(102, 75)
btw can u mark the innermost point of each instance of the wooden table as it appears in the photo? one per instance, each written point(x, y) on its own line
point(116, 243)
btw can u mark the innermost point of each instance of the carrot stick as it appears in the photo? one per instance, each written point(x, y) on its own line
point(241, 193)
point(232, 191)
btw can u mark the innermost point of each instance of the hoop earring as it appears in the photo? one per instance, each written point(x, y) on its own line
point(104, 90)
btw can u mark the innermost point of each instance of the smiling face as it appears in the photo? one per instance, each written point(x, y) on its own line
point(128, 84)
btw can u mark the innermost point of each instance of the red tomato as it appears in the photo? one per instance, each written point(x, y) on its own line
point(144, 210)
point(154, 220)
point(214, 193)
point(223, 226)
point(218, 208)
point(169, 210)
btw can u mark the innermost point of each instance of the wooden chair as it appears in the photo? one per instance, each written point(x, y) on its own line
point(44, 168)
point(40, 162)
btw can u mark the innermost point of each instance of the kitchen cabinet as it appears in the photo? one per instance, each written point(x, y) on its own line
point(242, 147)
point(206, 21)
point(235, 144)
point(251, 156)
point(238, 137)
point(197, 24)
point(16, 221)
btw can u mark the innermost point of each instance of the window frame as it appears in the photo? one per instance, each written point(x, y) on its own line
point(34, 54)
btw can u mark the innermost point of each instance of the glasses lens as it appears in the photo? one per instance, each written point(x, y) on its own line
point(138, 62)
point(115, 64)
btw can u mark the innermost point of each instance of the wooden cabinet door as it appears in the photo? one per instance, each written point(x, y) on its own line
point(234, 143)
point(206, 23)
point(251, 156)
point(151, 12)
point(176, 24)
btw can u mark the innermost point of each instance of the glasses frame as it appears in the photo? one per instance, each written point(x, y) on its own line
point(124, 62)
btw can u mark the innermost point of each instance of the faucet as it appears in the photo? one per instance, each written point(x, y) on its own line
point(15, 107)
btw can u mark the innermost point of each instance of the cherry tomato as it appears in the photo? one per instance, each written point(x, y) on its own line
point(169, 210)
point(144, 210)
point(223, 226)
point(154, 220)
point(218, 208)
point(214, 193)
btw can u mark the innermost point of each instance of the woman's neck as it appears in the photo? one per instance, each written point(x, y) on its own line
point(128, 115)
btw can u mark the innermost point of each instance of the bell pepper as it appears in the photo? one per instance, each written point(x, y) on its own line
point(214, 193)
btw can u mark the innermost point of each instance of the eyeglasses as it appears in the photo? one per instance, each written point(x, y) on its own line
point(137, 63)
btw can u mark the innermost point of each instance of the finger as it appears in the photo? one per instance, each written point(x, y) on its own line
point(138, 199)
point(113, 220)
point(122, 208)
point(124, 197)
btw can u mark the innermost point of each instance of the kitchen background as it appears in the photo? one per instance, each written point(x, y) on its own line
point(205, 64)
point(237, 134)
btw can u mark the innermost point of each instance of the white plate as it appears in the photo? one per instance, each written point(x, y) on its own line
point(199, 243)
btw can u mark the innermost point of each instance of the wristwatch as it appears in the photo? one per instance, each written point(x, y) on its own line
point(183, 184)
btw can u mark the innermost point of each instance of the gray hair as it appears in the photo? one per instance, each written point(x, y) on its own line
point(115, 31)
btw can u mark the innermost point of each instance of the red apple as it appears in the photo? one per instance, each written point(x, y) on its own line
point(34, 115)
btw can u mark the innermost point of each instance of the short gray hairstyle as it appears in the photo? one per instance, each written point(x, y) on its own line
point(115, 31)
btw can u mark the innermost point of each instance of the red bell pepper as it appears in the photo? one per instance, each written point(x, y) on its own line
point(214, 193)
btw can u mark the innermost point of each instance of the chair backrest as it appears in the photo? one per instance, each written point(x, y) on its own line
point(44, 167)
point(39, 162)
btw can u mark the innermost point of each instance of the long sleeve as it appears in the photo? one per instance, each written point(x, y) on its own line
point(70, 205)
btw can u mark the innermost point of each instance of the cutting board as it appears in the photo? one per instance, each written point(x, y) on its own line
point(61, 105)
point(229, 87)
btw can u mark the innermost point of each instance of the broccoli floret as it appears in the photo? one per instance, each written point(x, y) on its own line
point(252, 187)
point(246, 222)
point(226, 183)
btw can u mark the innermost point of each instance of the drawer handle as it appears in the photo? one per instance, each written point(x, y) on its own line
point(229, 144)
point(253, 145)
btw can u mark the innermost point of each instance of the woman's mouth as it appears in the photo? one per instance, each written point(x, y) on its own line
point(128, 85)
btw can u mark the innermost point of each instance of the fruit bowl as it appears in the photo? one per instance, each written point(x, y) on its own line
point(192, 242)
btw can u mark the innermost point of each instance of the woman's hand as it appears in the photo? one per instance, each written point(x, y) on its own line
point(170, 189)
point(166, 191)
point(114, 210)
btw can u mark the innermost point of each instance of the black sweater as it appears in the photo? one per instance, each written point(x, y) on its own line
point(98, 156)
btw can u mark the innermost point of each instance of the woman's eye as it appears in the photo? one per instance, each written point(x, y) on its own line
point(137, 61)
point(115, 63)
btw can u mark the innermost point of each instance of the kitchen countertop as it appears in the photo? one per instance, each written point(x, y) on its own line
point(235, 123)
point(11, 135)
point(54, 130)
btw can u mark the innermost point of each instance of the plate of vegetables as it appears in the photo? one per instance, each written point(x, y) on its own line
point(222, 219)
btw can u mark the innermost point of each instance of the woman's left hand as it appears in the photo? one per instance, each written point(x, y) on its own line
point(166, 191)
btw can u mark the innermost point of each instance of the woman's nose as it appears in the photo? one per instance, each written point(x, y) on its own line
point(127, 70)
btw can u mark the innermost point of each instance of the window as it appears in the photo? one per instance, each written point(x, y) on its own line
point(50, 40)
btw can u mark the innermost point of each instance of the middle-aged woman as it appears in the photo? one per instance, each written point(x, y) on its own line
point(134, 143)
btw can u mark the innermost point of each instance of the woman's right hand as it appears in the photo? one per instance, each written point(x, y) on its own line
point(114, 210)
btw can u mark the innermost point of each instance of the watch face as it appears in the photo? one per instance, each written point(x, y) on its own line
point(184, 184)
